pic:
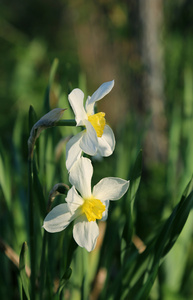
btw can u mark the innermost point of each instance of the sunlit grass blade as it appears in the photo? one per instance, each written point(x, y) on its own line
point(51, 80)
point(24, 279)
point(53, 71)
point(5, 179)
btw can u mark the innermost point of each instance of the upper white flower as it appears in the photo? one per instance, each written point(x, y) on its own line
point(86, 206)
point(98, 138)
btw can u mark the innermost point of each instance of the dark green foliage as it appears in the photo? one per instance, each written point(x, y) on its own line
point(33, 34)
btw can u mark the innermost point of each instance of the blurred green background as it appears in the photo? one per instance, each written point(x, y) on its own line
point(146, 46)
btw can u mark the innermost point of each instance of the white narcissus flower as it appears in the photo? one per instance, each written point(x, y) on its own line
point(98, 137)
point(85, 206)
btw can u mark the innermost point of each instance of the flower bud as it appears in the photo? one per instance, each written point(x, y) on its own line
point(48, 120)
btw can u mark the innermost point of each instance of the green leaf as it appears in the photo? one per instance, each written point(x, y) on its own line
point(51, 80)
point(64, 280)
point(5, 177)
point(41, 202)
point(23, 275)
point(72, 247)
point(53, 70)
point(141, 285)
point(135, 178)
point(178, 218)
point(131, 195)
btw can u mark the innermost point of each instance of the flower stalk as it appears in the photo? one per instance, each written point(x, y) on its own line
point(31, 225)
point(66, 123)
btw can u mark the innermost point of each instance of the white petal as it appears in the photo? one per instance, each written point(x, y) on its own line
point(89, 141)
point(73, 150)
point(76, 98)
point(80, 176)
point(110, 188)
point(89, 107)
point(58, 218)
point(85, 233)
point(102, 91)
point(73, 199)
point(106, 142)
point(105, 213)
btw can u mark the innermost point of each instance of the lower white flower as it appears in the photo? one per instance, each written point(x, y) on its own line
point(85, 207)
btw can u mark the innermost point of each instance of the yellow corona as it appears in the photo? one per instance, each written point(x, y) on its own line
point(93, 209)
point(98, 122)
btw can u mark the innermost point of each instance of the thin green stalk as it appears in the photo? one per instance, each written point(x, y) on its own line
point(43, 265)
point(85, 275)
point(66, 123)
point(31, 225)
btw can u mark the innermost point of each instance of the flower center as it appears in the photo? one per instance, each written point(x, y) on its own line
point(93, 209)
point(98, 122)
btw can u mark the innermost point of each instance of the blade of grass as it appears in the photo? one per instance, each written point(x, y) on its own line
point(63, 281)
point(23, 275)
point(31, 210)
point(43, 265)
point(41, 202)
point(131, 195)
point(5, 179)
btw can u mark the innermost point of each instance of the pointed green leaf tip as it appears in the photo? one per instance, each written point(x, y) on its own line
point(53, 70)
point(23, 275)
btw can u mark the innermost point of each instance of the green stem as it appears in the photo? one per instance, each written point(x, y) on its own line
point(43, 265)
point(66, 123)
point(31, 225)
point(85, 275)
